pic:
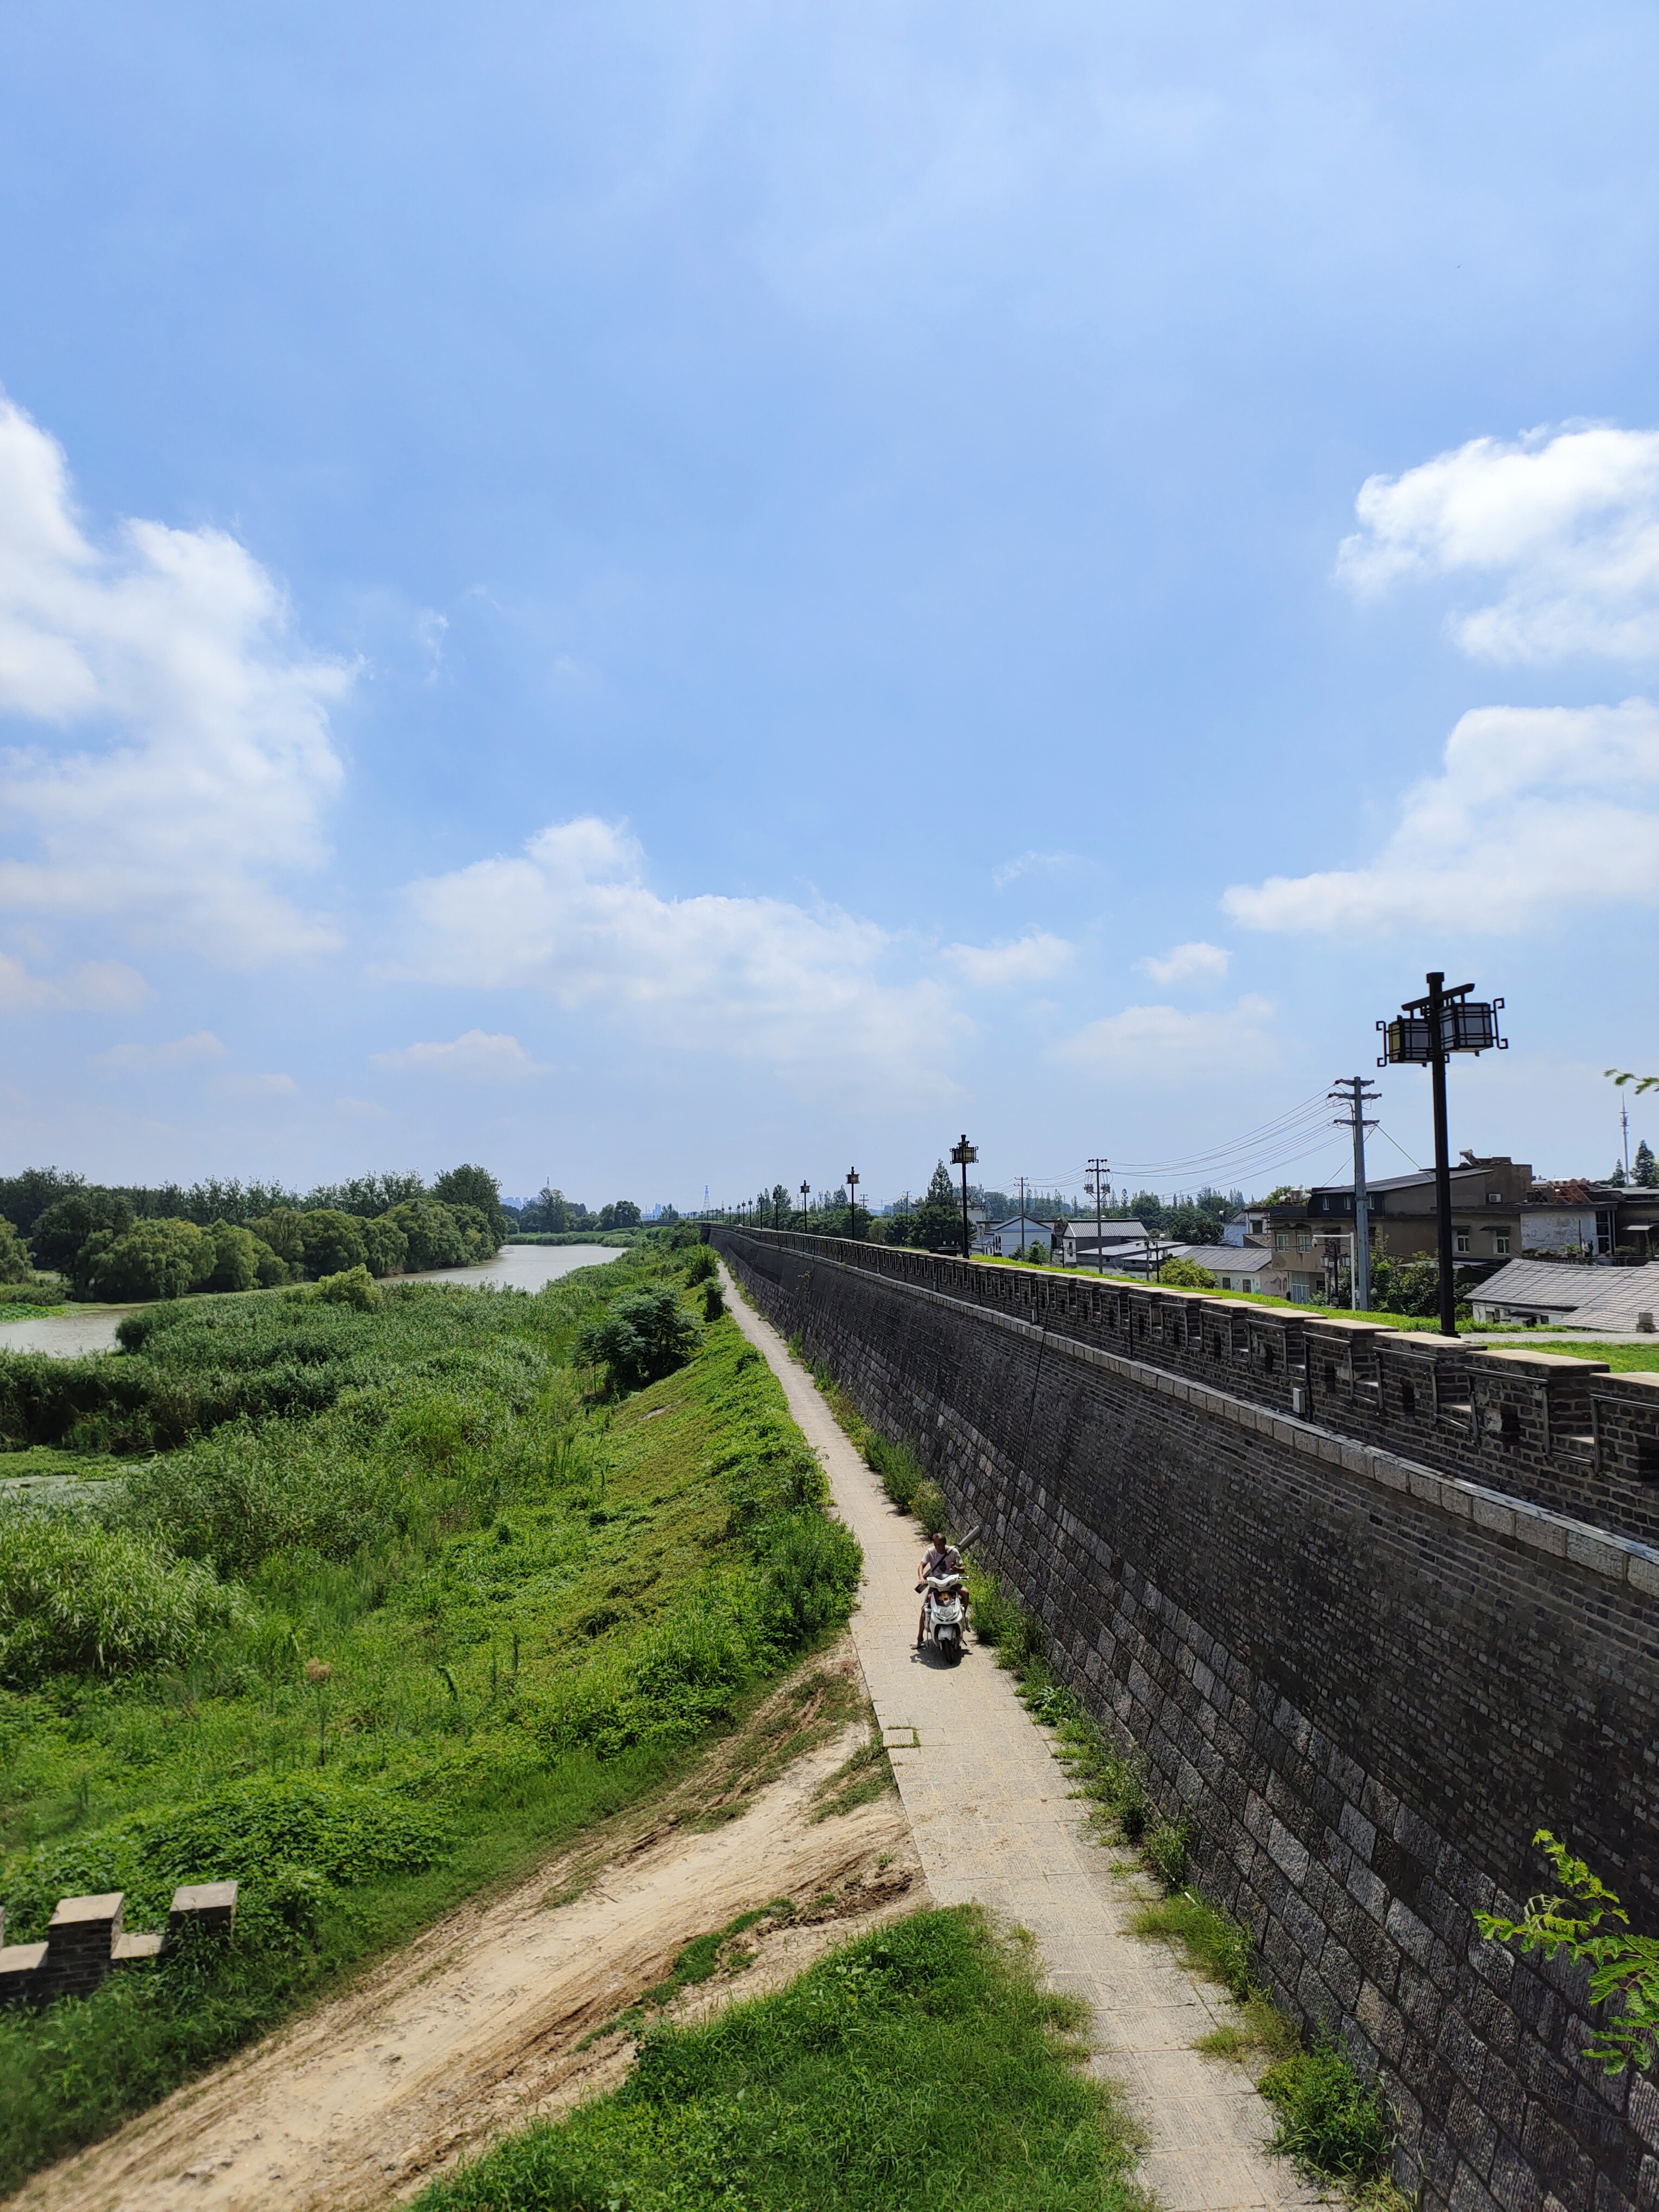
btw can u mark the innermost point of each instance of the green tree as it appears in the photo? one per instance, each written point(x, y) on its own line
point(433, 1233)
point(236, 1258)
point(152, 1259)
point(621, 1214)
point(938, 1221)
point(386, 1245)
point(24, 1198)
point(331, 1242)
point(475, 1186)
point(61, 1232)
point(1618, 1175)
point(14, 1255)
point(280, 1230)
point(1647, 1168)
point(642, 1336)
point(478, 1233)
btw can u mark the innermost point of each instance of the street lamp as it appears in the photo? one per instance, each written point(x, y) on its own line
point(1431, 1029)
point(805, 1193)
point(963, 1156)
point(853, 1197)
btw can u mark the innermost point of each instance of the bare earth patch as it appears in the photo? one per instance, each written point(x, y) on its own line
point(502, 2012)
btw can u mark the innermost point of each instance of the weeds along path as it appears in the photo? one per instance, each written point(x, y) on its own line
point(500, 2013)
point(993, 1820)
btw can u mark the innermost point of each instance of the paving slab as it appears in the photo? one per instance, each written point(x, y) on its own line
point(995, 1821)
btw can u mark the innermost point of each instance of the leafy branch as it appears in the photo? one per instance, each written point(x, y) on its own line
point(1624, 1075)
point(1624, 1968)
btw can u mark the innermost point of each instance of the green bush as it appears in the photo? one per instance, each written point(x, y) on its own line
point(701, 1264)
point(1328, 2118)
point(713, 1300)
point(638, 1338)
point(1165, 1852)
point(251, 1832)
point(1186, 1275)
point(14, 1255)
point(352, 1287)
point(895, 1465)
point(927, 1504)
point(75, 1598)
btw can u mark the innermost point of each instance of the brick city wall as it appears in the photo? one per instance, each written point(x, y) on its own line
point(1366, 1678)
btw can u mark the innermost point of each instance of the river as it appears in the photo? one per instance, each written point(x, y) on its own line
point(515, 1266)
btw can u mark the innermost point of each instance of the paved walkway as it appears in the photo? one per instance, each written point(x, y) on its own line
point(989, 1809)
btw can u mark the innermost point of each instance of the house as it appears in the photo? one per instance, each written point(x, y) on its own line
point(1008, 1240)
point(1574, 1220)
point(1313, 1236)
point(1234, 1266)
point(1248, 1225)
point(1539, 1293)
point(1084, 1244)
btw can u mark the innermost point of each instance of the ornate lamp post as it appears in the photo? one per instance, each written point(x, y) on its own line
point(853, 1197)
point(963, 1156)
point(805, 1193)
point(1430, 1030)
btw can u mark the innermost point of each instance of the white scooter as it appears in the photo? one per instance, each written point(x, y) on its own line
point(945, 1606)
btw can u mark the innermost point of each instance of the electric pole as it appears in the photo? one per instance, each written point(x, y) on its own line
point(963, 1156)
point(853, 1198)
point(1022, 1217)
point(1102, 1190)
point(1351, 1090)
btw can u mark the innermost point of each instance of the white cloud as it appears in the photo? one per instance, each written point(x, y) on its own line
point(756, 979)
point(102, 986)
point(477, 1057)
point(1568, 525)
point(1033, 958)
point(257, 1086)
point(1535, 811)
point(202, 1045)
point(364, 1108)
point(1152, 1042)
point(190, 756)
point(1186, 964)
point(1030, 864)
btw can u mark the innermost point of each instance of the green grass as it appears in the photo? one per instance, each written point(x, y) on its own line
point(920, 2065)
point(1622, 1359)
point(456, 1590)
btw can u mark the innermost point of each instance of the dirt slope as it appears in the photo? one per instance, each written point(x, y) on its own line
point(475, 2027)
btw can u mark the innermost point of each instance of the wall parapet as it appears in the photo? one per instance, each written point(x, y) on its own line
point(86, 1941)
point(1565, 1435)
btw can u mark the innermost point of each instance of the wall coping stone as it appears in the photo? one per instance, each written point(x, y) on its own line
point(1600, 1552)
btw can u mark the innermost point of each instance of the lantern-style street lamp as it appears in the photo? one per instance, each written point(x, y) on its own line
point(1429, 1031)
point(963, 1156)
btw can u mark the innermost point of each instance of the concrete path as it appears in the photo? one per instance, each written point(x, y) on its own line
point(989, 1809)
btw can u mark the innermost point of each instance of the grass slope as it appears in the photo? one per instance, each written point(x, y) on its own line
point(922, 2065)
point(432, 1619)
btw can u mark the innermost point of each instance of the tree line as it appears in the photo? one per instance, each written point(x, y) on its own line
point(116, 1244)
point(932, 1223)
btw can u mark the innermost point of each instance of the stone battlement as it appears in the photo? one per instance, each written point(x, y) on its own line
point(86, 1941)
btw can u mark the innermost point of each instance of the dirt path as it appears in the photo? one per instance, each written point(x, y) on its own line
point(478, 2026)
point(993, 1821)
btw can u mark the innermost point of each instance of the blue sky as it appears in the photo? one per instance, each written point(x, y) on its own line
point(661, 596)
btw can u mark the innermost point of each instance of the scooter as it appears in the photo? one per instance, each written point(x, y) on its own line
point(946, 1605)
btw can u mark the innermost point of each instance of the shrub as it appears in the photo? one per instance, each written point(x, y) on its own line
point(255, 1833)
point(1164, 1851)
point(714, 1300)
point(251, 1490)
point(701, 1264)
point(895, 1465)
point(1186, 1275)
point(927, 1504)
point(75, 1598)
point(641, 1337)
point(1328, 2118)
point(353, 1286)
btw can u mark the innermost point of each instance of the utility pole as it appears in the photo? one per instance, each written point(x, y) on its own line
point(1436, 1026)
point(853, 1197)
point(1351, 1090)
point(1101, 1189)
point(1624, 1123)
point(963, 1156)
point(1022, 1217)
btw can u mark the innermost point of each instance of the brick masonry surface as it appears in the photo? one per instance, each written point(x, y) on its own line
point(1366, 1678)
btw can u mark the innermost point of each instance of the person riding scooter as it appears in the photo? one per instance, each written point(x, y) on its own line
point(941, 1557)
